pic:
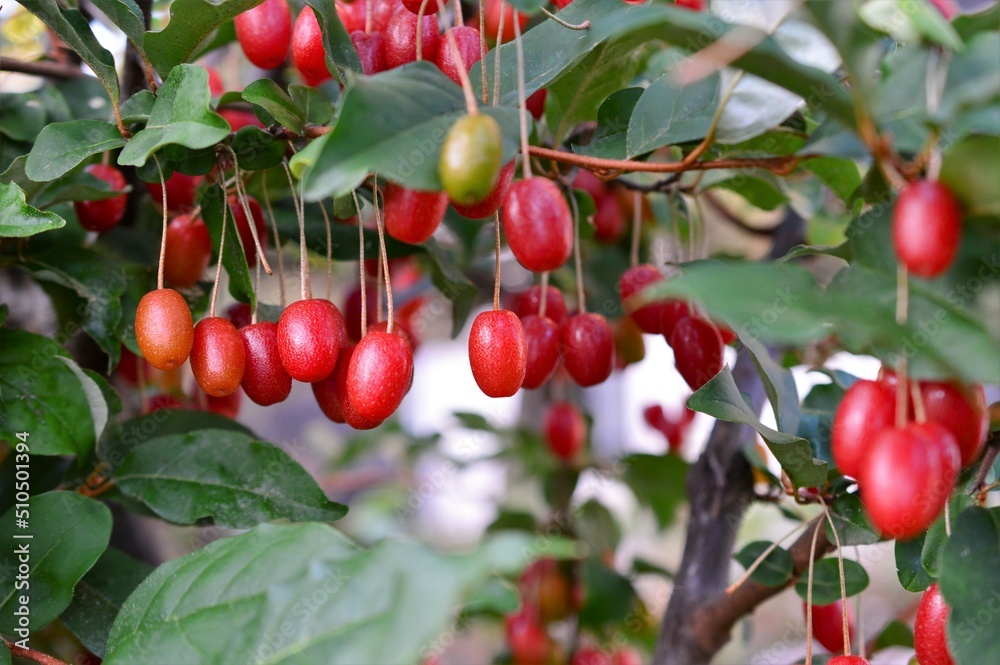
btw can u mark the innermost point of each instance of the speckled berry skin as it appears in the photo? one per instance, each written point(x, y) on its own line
point(929, 630)
point(265, 380)
point(265, 33)
point(189, 249)
point(217, 357)
point(164, 328)
point(401, 39)
point(588, 348)
point(379, 375)
point(104, 214)
point(308, 54)
point(412, 215)
point(538, 224)
point(698, 350)
point(491, 203)
point(498, 353)
point(634, 280)
point(467, 41)
point(542, 337)
point(310, 334)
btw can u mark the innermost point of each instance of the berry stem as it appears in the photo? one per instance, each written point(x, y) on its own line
point(843, 582)
point(857, 610)
point(277, 240)
point(163, 238)
point(947, 517)
point(918, 402)
point(572, 26)
point(496, 273)
point(470, 95)
point(482, 50)
point(496, 60)
point(809, 598)
point(382, 256)
point(581, 301)
point(256, 291)
point(218, 266)
point(241, 194)
point(361, 266)
point(369, 15)
point(458, 19)
point(304, 287)
point(636, 228)
point(763, 555)
point(522, 107)
point(420, 29)
point(545, 293)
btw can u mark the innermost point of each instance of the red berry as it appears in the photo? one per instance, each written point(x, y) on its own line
point(491, 16)
point(240, 118)
point(189, 248)
point(626, 656)
point(412, 215)
point(697, 349)
point(371, 51)
point(308, 53)
point(907, 476)
point(529, 643)
point(310, 333)
point(352, 15)
point(488, 206)
point(352, 311)
point(673, 312)
point(629, 345)
point(401, 39)
point(226, 405)
point(164, 401)
point(265, 33)
point(561, 4)
point(948, 8)
point(383, 12)
point(588, 348)
point(379, 375)
point(930, 630)
point(962, 411)
point(609, 221)
point(848, 660)
point(181, 190)
point(565, 430)
point(867, 408)
point(243, 226)
point(547, 586)
point(828, 625)
point(431, 6)
point(215, 85)
point(240, 314)
point(217, 358)
point(541, 334)
point(498, 352)
point(648, 317)
point(265, 380)
point(398, 329)
point(538, 224)
point(467, 41)
point(104, 214)
point(693, 5)
point(164, 328)
point(535, 103)
point(926, 227)
point(590, 656)
point(528, 303)
point(330, 392)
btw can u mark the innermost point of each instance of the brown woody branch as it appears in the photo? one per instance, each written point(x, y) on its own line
point(45, 68)
point(32, 655)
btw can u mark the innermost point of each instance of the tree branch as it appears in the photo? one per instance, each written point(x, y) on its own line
point(52, 70)
point(32, 655)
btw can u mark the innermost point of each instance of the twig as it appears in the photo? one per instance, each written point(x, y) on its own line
point(572, 26)
point(989, 457)
point(52, 70)
point(31, 654)
point(778, 164)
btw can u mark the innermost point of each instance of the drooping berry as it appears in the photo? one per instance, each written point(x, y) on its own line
point(265, 33)
point(371, 51)
point(565, 430)
point(633, 281)
point(491, 203)
point(609, 222)
point(467, 41)
point(352, 311)
point(217, 358)
point(310, 334)
point(538, 224)
point(930, 629)
point(828, 625)
point(535, 103)
point(401, 39)
point(471, 159)
point(498, 352)
point(672, 313)
point(308, 53)
point(547, 586)
point(962, 411)
point(848, 660)
point(412, 215)
point(379, 375)
point(529, 643)
point(181, 190)
point(867, 408)
point(541, 335)
point(329, 392)
point(491, 16)
point(588, 348)
point(698, 350)
point(189, 249)
point(164, 328)
point(430, 7)
point(104, 214)
point(265, 380)
point(528, 303)
point(926, 227)
point(226, 405)
point(243, 226)
point(907, 476)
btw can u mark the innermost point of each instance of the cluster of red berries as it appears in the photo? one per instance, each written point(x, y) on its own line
point(906, 473)
point(550, 593)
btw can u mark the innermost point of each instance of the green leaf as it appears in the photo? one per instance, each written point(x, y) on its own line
point(853, 525)
point(937, 535)
point(74, 29)
point(256, 150)
point(268, 95)
point(311, 594)
point(597, 527)
point(609, 139)
point(970, 584)
point(896, 634)
point(909, 569)
point(138, 107)
point(667, 114)
point(180, 116)
point(394, 124)
point(191, 23)
point(496, 598)
point(658, 482)
point(971, 168)
point(4, 654)
point(452, 284)
point(759, 187)
point(23, 115)
point(20, 220)
point(775, 570)
point(610, 596)
point(99, 597)
point(127, 16)
point(721, 398)
point(826, 581)
point(779, 384)
point(68, 534)
point(225, 476)
point(234, 259)
point(340, 53)
point(316, 107)
point(577, 94)
point(42, 394)
point(840, 175)
point(972, 80)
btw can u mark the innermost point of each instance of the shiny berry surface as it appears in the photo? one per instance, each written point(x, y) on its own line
point(962, 411)
point(930, 629)
point(401, 39)
point(491, 14)
point(181, 191)
point(491, 203)
point(371, 51)
point(698, 350)
point(412, 215)
point(217, 357)
point(431, 6)
point(538, 224)
point(565, 430)
point(189, 249)
point(104, 214)
point(867, 408)
point(527, 303)
point(498, 352)
point(634, 280)
point(926, 228)
point(164, 328)
point(265, 380)
point(541, 335)
point(828, 625)
point(379, 375)
point(673, 312)
point(467, 41)
point(471, 159)
point(265, 33)
point(308, 54)
point(330, 392)
point(588, 348)
point(310, 333)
